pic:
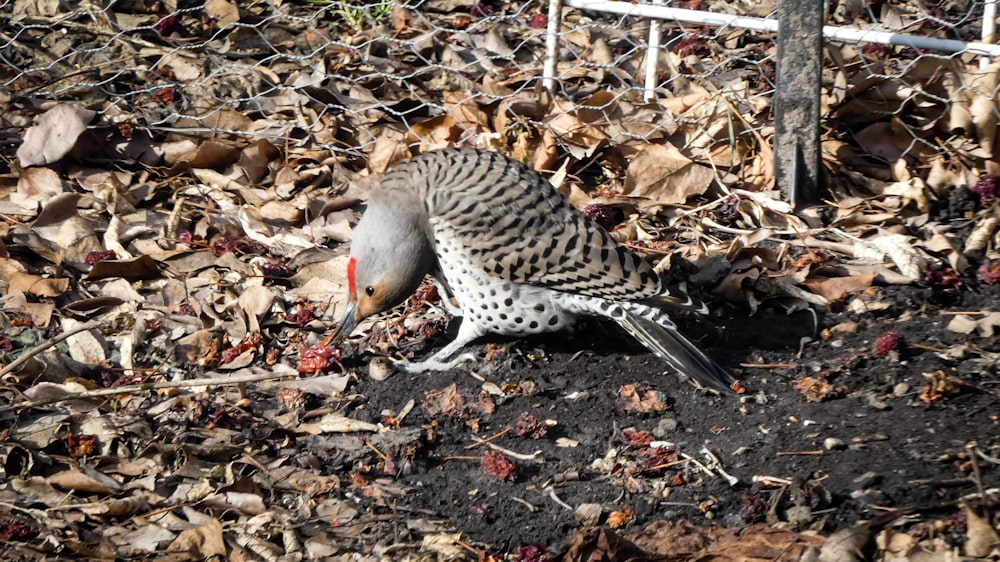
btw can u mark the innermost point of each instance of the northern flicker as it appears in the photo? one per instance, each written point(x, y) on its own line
point(516, 256)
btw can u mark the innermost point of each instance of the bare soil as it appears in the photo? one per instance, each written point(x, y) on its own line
point(891, 451)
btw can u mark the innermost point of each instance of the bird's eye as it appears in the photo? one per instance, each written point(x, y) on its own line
point(369, 290)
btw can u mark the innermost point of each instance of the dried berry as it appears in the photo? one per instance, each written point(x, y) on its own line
point(637, 439)
point(876, 50)
point(945, 278)
point(482, 10)
point(22, 321)
point(316, 358)
point(532, 553)
point(167, 25)
point(986, 188)
point(887, 342)
point(605, 215)
point(989, 272)
point(101, 255)
point(729, 210)
point(235, 244)
point(529, 426)
point(754, 508)
point(302, 316)
point(188, 237)
point(497, 465)
point(278, 270)
point(13, 531)
point(539, 21)
point(692, 46)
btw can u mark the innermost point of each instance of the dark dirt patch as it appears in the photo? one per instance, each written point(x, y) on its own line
point(896, 450)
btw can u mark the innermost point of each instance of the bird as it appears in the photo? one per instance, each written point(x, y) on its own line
point(515, 255)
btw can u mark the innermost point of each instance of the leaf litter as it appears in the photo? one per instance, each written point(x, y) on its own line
point(169, 392)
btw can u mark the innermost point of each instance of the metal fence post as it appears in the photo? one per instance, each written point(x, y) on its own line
point(798, 171)
point(552, 45)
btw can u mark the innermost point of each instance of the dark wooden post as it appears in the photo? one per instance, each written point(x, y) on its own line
point(798, 170)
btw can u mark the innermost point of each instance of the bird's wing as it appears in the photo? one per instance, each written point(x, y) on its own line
point(516, 226)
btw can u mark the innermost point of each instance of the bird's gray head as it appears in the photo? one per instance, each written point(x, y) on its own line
point(391, 253)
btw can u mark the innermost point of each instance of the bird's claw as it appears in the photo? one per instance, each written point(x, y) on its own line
point(432, 364)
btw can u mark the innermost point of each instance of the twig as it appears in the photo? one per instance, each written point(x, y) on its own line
point(767, 365)
point(524, 502)
point(537, 456)
point(487, 441)
point(771, 480)
point(925, 347)
point(136, 388)
point(793, 453)
point(972, 448)
point(374, 448)
point(555, 498)
point(716, 464)
point(47, 344)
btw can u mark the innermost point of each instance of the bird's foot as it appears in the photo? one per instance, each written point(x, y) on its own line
point(433, 364)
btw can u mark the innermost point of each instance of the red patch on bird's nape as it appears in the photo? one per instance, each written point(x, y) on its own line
point(352, 283)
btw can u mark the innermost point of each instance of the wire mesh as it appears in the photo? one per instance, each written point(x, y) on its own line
point(338, 76)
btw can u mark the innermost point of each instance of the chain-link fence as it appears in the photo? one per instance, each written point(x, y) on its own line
point(343, 77)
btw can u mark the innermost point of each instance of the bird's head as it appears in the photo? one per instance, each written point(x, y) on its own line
point(390, 255)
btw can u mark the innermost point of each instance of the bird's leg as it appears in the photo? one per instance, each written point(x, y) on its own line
point(439, 361)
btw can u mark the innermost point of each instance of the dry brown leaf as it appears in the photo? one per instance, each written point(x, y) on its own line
point(836, 289)
point(224, 11)
point(814, 389)
point(386, 153)
point(845, 545)
point(208, 155)
point(682, 540)
point(142, 268)
point(465, 110)
point(338, 423)
point(618, 519)
point(941, 385)
point(85, 480)
point(136, 503)
point(982, 88)
point(966, 324)
point(978, 241)
point(446, 546)
point(201, 543)
point(37, 285)
point(445, 401)
point(238, 502)
point(981, 539)
point(35, 186)
point(54, 135)
point(631, 400)
point(661, 173)
point(437, 132)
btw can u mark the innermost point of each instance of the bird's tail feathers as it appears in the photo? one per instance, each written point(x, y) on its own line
point(668, 344)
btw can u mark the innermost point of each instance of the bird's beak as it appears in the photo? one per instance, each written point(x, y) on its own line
point(347, 323)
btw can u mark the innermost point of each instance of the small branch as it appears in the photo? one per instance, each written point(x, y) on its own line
point(137, 388)
point(794, 453)
point(24, 357)
point(480, 442)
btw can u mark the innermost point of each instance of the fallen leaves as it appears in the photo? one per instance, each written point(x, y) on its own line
point(172, 221)
point(940, 386)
